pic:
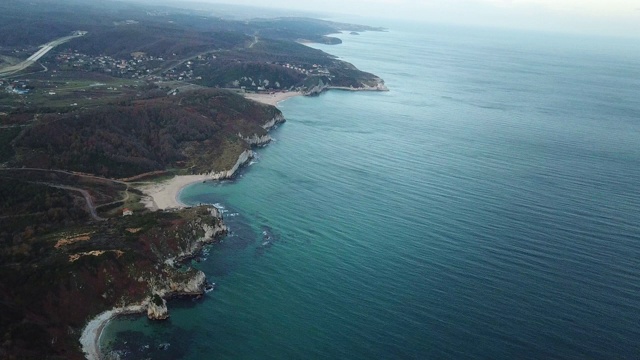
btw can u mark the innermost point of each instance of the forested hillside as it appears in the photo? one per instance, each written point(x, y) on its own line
point(134, 137)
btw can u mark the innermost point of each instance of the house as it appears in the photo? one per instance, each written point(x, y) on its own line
point(127, 212)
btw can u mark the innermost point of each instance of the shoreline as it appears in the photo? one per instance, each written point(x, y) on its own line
point(92, 332)
point(272, 99)
point(166, 194)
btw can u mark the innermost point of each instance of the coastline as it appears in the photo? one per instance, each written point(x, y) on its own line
point(90, 338)
point(166, 194)
point(272, 99)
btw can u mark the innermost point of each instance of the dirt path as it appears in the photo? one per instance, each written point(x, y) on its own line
point(90, 205)
point(87, 198)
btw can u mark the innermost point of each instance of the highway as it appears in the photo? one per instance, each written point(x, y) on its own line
point(44, 49)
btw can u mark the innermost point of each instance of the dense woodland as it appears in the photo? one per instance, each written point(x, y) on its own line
point(166, 40)
point(134, 137)
point(47, 296)
point(30, 210)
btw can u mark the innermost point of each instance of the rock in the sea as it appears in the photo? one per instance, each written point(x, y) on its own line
point(157, 308)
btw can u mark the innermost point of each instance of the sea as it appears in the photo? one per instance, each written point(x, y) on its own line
point(486, 207)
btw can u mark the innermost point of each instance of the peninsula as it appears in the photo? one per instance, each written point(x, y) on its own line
point(101, 128)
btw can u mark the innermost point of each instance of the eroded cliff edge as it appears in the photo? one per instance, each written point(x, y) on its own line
point(144, 264)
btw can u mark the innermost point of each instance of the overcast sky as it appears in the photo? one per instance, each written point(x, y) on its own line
point(590, 16)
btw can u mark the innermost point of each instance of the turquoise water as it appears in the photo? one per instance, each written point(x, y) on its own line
point(487, 207)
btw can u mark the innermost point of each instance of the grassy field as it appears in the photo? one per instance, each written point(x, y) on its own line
point(68, 90)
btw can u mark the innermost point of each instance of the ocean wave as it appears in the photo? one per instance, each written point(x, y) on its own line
point(220, 207)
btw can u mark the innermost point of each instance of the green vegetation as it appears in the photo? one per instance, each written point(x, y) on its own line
point(145, 135)
point(6, 136)
point(75, 273)
point(157, 300)
point(128, 100)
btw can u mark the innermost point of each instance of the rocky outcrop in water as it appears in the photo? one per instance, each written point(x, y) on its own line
point(157, 308)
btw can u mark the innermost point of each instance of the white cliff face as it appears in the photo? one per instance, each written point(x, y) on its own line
point(256, 140)
point(320, 87)
point(215, 212)
point(179, 284)
point(190, 248)
point(174, 282)
point(193, 286)
point(260, 140)
point(226, 174)
point(211, 232)
point(155, 311)
point(278, 119)
point(163, 288)
point(317, 89)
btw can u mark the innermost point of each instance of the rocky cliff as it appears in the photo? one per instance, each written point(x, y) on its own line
point(263, 139)
point(256, 140)
point(180, 238)
point(243, 159)
point(157, 308)
point(278, 119)
point(203, 226)
point(374, 84)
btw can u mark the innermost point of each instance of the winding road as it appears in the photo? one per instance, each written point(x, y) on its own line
point(87, 197)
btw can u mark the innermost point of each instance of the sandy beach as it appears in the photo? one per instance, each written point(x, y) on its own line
point(90, 338)
point(272, 99)
point(159, 196)
point(164, 195)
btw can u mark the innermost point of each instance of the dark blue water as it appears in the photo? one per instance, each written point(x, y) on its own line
point(487, 207)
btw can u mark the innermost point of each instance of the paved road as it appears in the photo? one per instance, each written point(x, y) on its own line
point(10, 70)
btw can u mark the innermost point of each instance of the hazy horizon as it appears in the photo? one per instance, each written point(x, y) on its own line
point(593, 17)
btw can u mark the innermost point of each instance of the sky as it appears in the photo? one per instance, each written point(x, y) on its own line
point(607, 17)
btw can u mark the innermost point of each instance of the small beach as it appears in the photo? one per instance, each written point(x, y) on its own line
point(272, 99)
point(164, 195)
point(161, 195)
point(90, 338)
